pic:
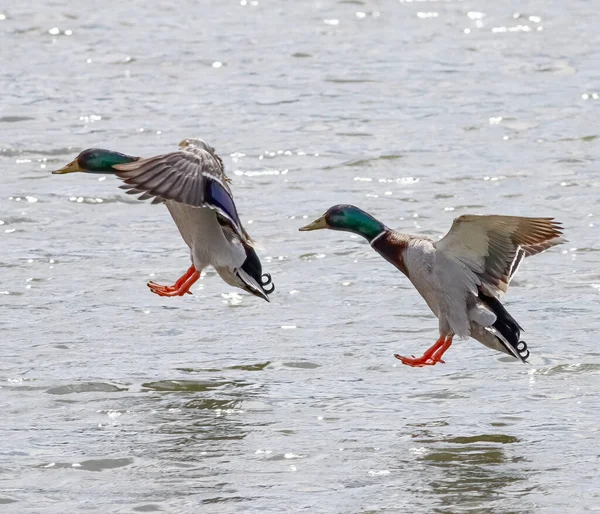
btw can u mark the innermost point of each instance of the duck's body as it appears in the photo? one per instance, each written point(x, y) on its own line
point(419, 259)
point(462, 276)
point(209, 244)
point(194, 187)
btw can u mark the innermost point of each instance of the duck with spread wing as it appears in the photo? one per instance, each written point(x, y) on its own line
point(462, 276)
point(192, 183)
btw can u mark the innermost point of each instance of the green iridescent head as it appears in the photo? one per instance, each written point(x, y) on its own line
point(349, 219)
point(96, 160)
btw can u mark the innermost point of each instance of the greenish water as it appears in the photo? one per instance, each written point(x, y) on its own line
point(116, 400)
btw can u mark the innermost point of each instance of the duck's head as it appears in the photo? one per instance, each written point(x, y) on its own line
point(348, 218)
point(95, 160)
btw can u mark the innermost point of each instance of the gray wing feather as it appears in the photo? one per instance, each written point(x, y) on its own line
point(187, 176)
point(178, 176)
point(143, 196)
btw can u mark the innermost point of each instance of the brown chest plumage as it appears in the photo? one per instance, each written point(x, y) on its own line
point(391, 247)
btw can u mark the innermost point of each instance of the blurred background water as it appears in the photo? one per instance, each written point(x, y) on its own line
point(116, 400)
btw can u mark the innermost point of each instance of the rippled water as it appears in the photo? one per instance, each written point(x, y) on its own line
point(116, 400)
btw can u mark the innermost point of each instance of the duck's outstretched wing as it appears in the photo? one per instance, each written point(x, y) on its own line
point(489, 249)
point(481, 254)
point(192, 176)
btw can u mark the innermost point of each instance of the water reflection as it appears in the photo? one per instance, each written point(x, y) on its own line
point(200, 410)
point(472, 471)
point(199, 425)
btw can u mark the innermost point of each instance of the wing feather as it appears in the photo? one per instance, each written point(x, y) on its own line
point(493, 247)
point(193, 176)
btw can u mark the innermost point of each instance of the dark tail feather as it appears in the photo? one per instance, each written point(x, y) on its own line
point(507, 326)
point(253, 267)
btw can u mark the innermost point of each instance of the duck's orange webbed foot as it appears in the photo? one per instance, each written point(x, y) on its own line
point(431, 356)
point(181, 287)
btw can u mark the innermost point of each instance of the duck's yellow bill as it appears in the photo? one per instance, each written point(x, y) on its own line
point(318, 224)
point(72, 167)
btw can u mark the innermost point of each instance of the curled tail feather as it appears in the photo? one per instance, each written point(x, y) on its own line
point(507, 328)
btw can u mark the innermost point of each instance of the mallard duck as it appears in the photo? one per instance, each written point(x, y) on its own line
point(462, 276)
point(192, 184)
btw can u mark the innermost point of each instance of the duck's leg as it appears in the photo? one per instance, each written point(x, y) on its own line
point(431, 356)
point(181, 287)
